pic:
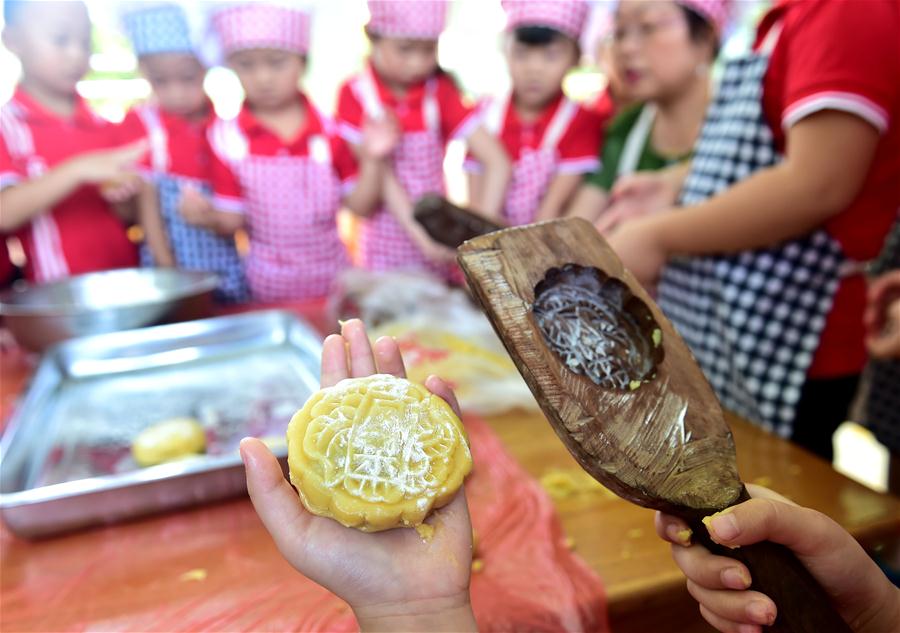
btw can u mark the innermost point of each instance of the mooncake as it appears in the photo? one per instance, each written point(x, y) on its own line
point(376, 453)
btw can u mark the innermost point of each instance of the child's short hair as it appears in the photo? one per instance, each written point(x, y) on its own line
point(543, 36)
point(538, 35)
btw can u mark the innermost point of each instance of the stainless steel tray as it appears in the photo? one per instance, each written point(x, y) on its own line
point(65, 458)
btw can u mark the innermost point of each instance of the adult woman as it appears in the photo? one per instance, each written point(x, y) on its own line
point(664, 52)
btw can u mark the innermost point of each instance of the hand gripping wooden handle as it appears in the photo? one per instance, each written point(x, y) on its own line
point(803, 606)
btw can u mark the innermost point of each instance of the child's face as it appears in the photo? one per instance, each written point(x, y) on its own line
point(270, 77)
point(177, 81)
point(537, 72)
point(404, 61)
point(653, 51)
point(53, 42)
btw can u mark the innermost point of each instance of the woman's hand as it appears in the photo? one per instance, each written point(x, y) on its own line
point(640, 194)
point(860, 592)
point(882, 316)
point(392, 579)
point(640, 245)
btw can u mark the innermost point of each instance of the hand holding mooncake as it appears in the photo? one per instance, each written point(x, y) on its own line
point(392, 579)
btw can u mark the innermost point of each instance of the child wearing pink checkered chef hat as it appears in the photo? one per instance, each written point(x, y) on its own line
point(551, 140)
point(277, 169)
point(403, 84)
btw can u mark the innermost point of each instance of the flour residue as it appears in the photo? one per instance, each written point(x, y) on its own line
point(385, 441)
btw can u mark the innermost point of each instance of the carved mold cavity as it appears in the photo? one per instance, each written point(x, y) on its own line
point(597, 327)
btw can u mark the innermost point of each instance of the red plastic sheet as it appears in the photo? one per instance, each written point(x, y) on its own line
point(216, 569)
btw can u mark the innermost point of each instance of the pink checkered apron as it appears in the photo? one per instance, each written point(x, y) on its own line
point(291, 204)
point(418, 162)
point(535, 167)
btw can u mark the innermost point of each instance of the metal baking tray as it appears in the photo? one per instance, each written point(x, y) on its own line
point(65, 459)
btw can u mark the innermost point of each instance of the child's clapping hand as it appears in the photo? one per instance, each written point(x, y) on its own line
point(380, 137)
point(392, 580)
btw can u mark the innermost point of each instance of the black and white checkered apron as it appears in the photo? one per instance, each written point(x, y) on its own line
point(752, 319)
point(882, 411)
point(195, 248)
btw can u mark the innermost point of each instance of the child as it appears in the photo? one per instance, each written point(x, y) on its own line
point(276, 168)
point(664, 53)
point(403, 82)
point(551, 140)
point(793, 181)
point(175, 123)
point(55, 153)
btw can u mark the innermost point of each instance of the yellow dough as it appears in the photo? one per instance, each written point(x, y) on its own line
point(167, 441)
point(376, 453)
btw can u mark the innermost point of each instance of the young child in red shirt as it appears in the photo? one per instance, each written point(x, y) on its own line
point(277, 168)
point(552, 141)
point(793, 184)
point(175, 121)
point(61, 171)
point(402, 82)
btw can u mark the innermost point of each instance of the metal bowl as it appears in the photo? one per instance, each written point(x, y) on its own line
point(41, 315)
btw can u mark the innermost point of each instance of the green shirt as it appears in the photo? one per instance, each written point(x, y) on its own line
point(614, 144)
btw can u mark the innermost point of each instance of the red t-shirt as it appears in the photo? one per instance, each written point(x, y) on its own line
point(228, 190)
point(185, 151)
point(578, 148)
point(455, 120)
point(842, 55)
point(81, 233)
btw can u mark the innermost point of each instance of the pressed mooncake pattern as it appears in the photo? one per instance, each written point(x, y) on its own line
point(376, 453)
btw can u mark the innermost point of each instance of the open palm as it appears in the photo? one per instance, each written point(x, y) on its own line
point(391, 572)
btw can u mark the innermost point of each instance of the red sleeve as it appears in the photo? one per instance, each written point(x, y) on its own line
point(132, 129)
point(344, 163)
point(457, 118)
point(226, 188)
point(579, 148)
point(12, 172)
point(349, 116)
point(841, 55)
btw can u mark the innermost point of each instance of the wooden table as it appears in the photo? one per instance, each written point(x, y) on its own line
point(645, 590)
point(213, 567)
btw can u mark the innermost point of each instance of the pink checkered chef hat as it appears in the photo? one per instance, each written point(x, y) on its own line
point(566, 16)
point(421, 19)
point(717, 12)
point(262, 25)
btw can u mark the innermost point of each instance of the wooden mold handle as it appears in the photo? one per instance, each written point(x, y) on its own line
point(803, 606)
